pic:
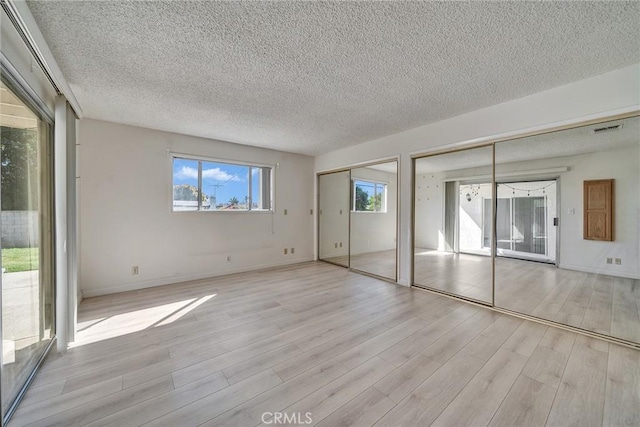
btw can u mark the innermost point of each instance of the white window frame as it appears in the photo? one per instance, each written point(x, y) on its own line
point(376, 184)
point(201, 159)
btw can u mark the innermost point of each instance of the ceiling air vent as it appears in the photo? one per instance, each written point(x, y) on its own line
point(607, 128)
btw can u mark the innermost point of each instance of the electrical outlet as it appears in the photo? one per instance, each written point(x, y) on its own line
point(340, 244)
point(340, 211)
point(310, 211)
point(293, 250)
point(618, 261)
point(336, 245)
point(285, 211)
point(135, 270)
point(286, 251)
point(609, 260)
point(228, 258)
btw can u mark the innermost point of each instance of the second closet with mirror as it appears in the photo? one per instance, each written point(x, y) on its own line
point(546, 226)
point(357, 222)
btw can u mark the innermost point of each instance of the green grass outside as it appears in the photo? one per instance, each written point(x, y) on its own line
point(20, 259)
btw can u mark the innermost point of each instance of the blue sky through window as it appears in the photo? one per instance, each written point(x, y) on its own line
point(225, 181)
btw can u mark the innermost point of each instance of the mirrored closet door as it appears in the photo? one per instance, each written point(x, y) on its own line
point(453, 223)
point(568, 227)
point(374, 210)
point(358, 218)
point(564, 242)
point(333, 219)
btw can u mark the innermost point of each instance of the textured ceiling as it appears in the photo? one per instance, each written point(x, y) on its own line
point(564, 143)
point(311, 77)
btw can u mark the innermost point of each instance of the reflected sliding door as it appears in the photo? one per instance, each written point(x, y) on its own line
point(27, 237)
point(453, 223)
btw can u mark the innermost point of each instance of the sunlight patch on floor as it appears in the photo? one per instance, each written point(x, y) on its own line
point(116, 325)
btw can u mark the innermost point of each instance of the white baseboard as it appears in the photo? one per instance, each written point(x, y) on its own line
point(161, 281)
point(588, 269)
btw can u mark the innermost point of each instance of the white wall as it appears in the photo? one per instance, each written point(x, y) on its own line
point(126, 216)
point(597, 97)
point(429, 205)
point(588, 255)
point(471, 218)
point(375, 231)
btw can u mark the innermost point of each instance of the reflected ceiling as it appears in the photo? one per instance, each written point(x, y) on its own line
point(569, 142)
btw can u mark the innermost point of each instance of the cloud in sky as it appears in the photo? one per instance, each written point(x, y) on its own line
point(217, 174)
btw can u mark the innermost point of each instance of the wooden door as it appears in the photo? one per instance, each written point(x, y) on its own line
point(598, 210)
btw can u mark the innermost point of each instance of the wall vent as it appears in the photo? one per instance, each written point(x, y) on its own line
point(607, 128)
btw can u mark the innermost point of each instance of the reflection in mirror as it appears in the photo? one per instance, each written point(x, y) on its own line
point(453, 223)
point(567, 227)
point(333, 204)
point(373, 219)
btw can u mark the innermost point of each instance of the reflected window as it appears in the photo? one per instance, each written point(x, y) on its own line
point(369, 196)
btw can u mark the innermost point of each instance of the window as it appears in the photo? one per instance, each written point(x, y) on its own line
point(202, 185)
point(369, 196)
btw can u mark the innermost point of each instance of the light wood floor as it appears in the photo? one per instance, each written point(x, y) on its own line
point(595, 302)
point(349, 349)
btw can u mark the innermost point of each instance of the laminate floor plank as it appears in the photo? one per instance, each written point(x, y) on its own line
point(107, 405)
point(546, 366)
point(447, 346)
point(480, 399)
point(403, 351)
point(581, 394)
point(334, 395)
point(364, 410)
point(165, 403)
point(251, 412)
point(403, 380)
point(433, 396)
point(622, 398)
point(46, 408)
point(526, 338)
point(199, 411)
point(526, 405)
point(493, 337)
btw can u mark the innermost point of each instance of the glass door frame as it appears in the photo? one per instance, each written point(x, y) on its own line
point(524, 256)
point(19, 87)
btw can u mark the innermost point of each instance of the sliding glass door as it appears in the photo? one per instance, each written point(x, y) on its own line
point(27, 238)
point(526, 220)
